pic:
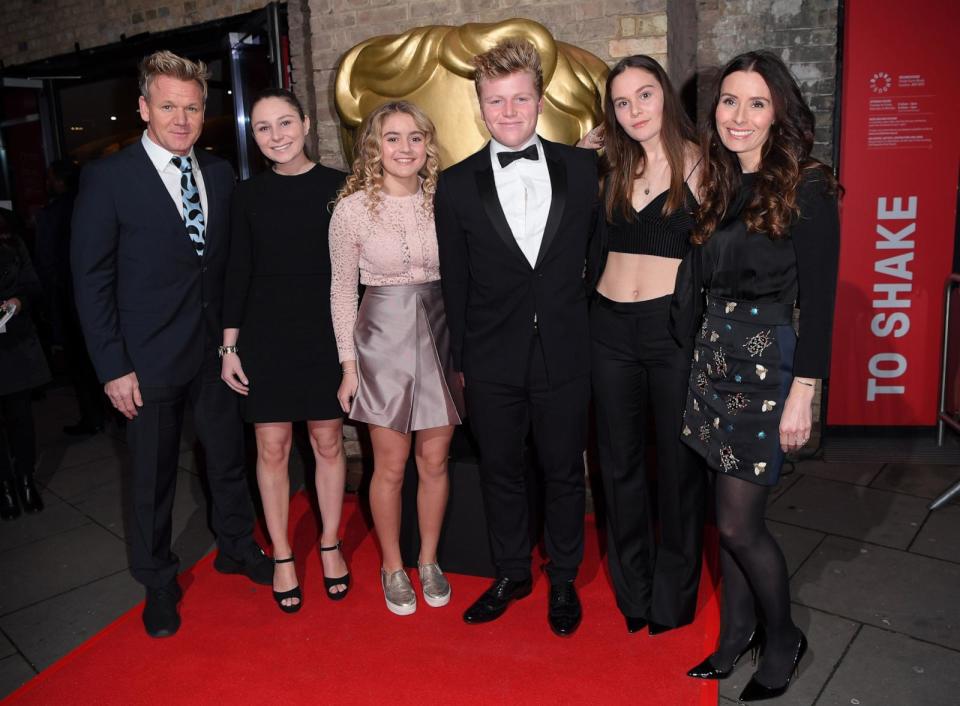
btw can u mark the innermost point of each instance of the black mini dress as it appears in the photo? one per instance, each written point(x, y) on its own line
point(278, 294)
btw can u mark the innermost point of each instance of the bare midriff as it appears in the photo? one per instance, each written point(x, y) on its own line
point(636, 278)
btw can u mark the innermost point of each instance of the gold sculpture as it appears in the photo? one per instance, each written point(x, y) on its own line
point(430, 66)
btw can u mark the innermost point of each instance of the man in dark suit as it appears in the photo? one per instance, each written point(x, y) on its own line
point(151, 231)
point(513, 221)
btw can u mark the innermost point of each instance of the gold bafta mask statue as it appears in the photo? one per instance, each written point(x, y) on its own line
point(430, 66)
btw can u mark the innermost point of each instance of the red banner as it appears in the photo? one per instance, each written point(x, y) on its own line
point(899, 159)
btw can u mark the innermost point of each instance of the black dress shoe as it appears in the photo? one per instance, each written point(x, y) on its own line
point(494, 601)
point(564, 612)
point(755, 691)
point(82, 428)
point(706, 669)
point(29, 495)
point(9, 503)
point(635, 624)
point(160, 617)
point(255, 565)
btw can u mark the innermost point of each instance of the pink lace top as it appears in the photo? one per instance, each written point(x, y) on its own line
point(396, 244)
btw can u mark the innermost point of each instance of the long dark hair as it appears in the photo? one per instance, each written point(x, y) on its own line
point(784, 157)
point(624, 159)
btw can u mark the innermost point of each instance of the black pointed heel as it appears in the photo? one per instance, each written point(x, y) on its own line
point(755, 691)
point(706, 669)
point(342, 581)
point(295, 592)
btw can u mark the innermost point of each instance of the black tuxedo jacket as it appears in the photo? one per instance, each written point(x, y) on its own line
point(491, 293)
point(146, 301)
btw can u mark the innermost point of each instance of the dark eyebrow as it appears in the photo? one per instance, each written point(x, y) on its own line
point(642, 88)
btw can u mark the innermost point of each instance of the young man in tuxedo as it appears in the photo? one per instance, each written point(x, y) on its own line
point(151, 230)
point(513, 221)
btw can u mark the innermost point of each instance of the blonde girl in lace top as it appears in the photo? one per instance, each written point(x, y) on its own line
point(394, 349)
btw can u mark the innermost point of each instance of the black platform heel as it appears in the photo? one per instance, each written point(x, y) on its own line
point(295, 592)
point(343, 580)
point(755, 691)
point(706, 670)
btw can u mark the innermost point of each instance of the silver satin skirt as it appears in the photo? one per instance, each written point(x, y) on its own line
point(407, 381)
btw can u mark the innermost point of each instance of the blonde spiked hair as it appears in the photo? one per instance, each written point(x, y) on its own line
point(367, 172)
point(510, 56)
point(166, 63)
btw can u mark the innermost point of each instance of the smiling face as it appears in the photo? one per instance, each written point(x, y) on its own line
point(510, 106)
point(637, 99)
point(173, 113)
point(744, 116)
point(403, 148)
point(280, 132)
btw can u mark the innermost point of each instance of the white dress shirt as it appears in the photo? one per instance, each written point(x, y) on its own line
point(170, 175)
point(523, 187)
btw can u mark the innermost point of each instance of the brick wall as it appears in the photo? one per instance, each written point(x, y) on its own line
point(802, 32)
point(321, 31)
point(700, 33)
point(38, 29)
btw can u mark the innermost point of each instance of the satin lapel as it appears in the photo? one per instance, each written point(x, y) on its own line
point(491, 204)
point(558, 201)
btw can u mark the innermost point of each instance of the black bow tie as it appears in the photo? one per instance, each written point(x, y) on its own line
point(507, 158)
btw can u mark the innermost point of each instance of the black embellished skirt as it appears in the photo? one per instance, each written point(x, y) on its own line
point(741, 374)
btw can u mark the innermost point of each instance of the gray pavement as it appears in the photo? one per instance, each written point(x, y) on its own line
point(875, 576)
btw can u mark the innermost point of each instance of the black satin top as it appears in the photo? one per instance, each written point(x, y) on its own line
point(799, 269)
point(652, 233)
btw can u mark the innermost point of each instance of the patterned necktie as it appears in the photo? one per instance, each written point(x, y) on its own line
point(192, 208)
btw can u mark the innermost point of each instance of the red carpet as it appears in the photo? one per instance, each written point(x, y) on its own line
point(236, 647)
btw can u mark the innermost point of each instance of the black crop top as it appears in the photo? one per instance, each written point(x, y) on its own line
point(652, 233)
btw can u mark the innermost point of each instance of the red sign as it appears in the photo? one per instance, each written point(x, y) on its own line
point(899, 159)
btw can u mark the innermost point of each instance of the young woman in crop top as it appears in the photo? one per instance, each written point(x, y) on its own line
point(650, 171)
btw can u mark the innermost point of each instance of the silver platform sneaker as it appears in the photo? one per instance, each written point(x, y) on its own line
point(398, 592)
point(436, 588)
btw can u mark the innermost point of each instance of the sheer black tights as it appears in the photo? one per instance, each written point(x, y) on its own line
point(755, 583)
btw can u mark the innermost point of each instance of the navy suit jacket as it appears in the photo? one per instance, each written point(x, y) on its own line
point(147, 302)
point(491, 292)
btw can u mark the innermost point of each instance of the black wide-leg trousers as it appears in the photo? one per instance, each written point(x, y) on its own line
point(501, 416)
point(637, 370)
point(154, 440)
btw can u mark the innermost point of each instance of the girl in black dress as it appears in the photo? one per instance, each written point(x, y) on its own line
point(277, 321)
point(650, 175)
point(768, 228)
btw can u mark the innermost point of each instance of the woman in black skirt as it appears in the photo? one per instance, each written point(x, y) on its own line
point(650, 175)
point(276, 316)
point(768, 231)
